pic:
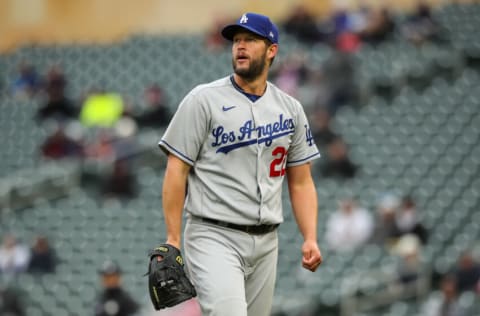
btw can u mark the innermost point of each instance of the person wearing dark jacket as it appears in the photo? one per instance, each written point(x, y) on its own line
point(114, 300)
point(43, 257)
point(158, 113)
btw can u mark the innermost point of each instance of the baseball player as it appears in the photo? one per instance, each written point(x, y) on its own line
point(230, 145)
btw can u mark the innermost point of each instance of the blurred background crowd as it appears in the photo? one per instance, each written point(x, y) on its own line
point(393, 101)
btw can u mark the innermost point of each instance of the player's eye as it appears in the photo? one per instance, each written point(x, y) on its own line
point(244, 39)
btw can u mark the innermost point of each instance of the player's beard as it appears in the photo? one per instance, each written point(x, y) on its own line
point(256, 68)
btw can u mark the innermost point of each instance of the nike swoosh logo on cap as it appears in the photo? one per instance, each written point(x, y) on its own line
point(227, 108)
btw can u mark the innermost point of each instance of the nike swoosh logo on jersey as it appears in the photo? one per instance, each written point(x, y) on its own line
point(227, 108)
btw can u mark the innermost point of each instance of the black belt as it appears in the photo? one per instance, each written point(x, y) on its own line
point(250, 229)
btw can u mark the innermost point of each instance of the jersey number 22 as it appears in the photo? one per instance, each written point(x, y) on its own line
point(277, 166)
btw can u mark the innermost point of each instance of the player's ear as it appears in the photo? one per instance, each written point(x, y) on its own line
point(272, 51)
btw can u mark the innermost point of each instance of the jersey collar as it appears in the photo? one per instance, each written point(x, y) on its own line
point(251, 97)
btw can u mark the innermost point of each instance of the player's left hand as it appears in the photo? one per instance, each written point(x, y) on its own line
point(168, 284)
point(312, 257)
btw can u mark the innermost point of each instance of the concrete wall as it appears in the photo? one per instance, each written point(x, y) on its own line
point(63, 21)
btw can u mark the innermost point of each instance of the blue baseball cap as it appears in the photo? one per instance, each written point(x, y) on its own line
point(255, 23)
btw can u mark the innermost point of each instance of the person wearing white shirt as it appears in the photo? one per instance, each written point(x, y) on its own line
point(14, 257)
point(349, 227)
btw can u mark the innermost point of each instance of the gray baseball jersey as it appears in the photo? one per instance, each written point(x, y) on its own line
point(238, 149)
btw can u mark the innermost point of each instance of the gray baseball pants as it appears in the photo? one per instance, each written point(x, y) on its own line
point(233, 272)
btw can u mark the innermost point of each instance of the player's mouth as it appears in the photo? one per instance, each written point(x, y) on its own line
point(242, 58)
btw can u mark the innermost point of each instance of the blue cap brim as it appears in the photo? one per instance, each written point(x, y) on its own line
point(229, 31)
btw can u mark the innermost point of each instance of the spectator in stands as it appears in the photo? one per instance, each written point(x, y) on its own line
point(28, 83)
point(115, 143)
point(102, 147)
point(447, 303)
point(347, 42)
point(303, 25)
point(14, 256)
point(407, 220)
point(57, 106)
point(157, 114)
point(321, 127)
point(101, 109)
point(121, 182)
point(408, 249)
point(337, 163)
point(359, 18)
point(63, 143)
point(379, 27)
point(340, 21)
point(349, 227)
point(344, 24)
point(386, 230)
point(420, 26)
point(125, 144)
point(43, 257)
point(10, 303)
point(467, 273)
point(114, 300)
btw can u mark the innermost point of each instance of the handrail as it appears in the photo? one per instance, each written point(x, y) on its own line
point(385, 289)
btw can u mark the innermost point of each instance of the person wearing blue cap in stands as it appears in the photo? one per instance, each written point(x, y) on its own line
point(230, 145)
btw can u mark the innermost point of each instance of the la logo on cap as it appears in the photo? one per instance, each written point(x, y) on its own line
point(243, 19)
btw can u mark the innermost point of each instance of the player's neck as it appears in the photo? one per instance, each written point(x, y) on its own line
point(256, 86)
